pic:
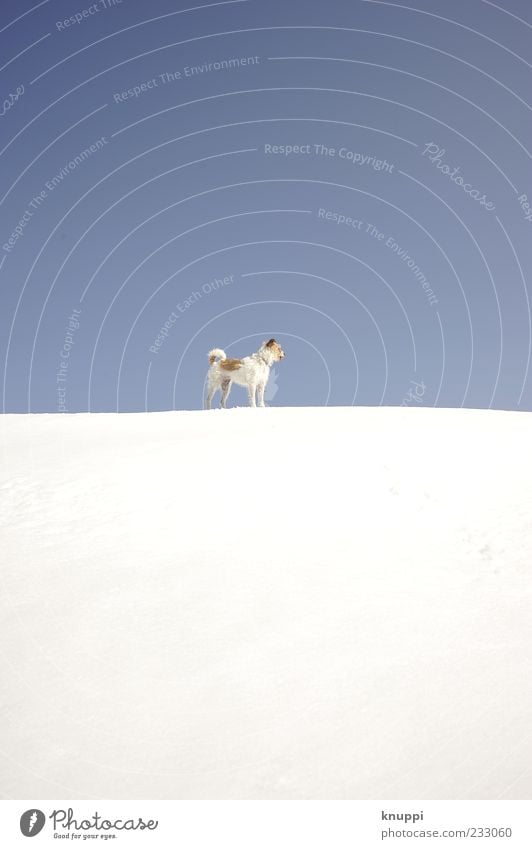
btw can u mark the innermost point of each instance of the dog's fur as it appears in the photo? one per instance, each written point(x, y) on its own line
point(252, 372)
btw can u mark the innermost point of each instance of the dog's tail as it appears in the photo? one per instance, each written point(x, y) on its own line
point(215, 354)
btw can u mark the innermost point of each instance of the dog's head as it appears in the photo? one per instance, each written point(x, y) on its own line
point(275, 349)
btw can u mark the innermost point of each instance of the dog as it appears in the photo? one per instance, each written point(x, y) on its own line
point(252, 372)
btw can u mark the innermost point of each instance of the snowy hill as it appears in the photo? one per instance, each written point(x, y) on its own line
point(277, 603)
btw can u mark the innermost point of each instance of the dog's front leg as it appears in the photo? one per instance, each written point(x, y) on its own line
point(260, 393)
point(251, 395)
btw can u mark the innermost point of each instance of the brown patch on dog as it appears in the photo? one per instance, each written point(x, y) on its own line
point(212, 359)
point(230, 364)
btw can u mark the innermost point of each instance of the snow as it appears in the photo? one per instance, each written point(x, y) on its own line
point(323, 603)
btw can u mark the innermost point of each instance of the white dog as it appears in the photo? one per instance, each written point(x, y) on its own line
point(252, 371)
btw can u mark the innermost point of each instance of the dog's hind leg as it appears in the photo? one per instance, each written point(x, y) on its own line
point(211, 389)
point(226, 388)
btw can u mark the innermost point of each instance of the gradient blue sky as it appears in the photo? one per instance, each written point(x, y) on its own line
point(187, 226)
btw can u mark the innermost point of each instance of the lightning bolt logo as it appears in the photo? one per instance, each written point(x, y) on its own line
point(33, 820)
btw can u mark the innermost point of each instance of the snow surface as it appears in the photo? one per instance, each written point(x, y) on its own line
point(281, 603)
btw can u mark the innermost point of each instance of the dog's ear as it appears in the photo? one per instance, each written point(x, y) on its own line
point(270, 342)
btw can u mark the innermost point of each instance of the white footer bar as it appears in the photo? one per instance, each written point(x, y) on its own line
point(268, 824)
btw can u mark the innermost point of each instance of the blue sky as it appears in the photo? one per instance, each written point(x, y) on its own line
point(353, 178)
